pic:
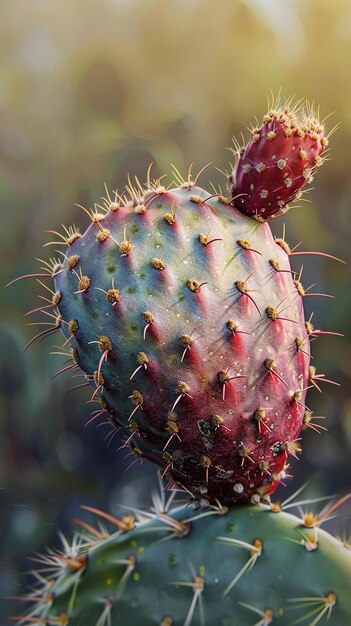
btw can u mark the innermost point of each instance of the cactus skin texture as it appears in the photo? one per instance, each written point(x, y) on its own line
point(247, 566)
point(184, 315)
point(280, 158)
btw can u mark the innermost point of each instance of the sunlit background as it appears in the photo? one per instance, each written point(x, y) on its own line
point(91, 91)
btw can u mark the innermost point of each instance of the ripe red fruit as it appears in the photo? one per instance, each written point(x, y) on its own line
point(280, 158)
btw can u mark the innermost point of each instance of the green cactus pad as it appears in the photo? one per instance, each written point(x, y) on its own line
point(246, 566)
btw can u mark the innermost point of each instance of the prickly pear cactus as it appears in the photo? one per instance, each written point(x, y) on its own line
point(219, 567)
point(187, 319)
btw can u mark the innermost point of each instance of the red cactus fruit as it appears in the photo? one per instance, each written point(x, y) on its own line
point(278, 161)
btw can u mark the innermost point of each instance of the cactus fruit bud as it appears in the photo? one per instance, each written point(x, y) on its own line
point(277, 162)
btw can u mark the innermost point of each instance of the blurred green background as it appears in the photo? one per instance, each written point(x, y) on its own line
point(90, 91)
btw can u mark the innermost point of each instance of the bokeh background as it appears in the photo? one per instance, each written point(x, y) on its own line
point(90, 91)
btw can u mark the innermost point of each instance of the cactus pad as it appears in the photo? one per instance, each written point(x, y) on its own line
point(186, 318)
point(246, 566)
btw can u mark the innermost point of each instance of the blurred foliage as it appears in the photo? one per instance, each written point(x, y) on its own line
point(91, 91)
